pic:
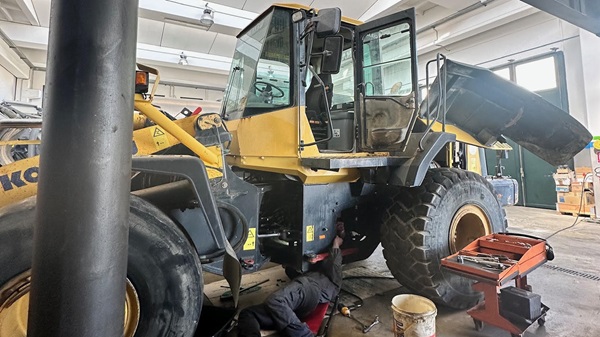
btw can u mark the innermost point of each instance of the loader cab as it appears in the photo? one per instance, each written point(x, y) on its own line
point(357, 82)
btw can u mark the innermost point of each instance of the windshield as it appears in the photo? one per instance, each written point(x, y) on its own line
point(259, 80)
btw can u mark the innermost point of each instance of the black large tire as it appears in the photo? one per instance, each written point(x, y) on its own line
point(162, 265)
point(416, 232)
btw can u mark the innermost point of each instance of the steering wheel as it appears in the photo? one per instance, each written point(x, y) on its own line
point(268, 87)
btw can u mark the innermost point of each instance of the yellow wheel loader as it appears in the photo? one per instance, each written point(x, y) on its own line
point(321, 122)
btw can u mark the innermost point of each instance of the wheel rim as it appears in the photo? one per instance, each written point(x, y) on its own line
point(14, 306)
point(469, 223)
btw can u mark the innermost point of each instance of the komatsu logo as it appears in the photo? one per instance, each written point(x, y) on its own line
point(18, 179)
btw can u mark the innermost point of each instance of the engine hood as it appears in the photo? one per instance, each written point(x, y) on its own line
point(491, 108)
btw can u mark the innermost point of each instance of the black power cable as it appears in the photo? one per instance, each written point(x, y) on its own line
point(578, 211)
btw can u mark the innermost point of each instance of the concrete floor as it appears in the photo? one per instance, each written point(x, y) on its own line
point(573, 296)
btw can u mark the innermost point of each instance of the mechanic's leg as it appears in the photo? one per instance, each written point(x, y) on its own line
point(252, 319)
point(283, 303)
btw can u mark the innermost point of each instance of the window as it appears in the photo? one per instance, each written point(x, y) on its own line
point(259, 80)
point(343, 82)
point(537, 75)
point(387, 68)
point(503, 72)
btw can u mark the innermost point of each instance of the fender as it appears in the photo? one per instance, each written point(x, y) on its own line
point(412, 171)
point(194, 170)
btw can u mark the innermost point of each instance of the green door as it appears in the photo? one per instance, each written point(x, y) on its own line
point(543, 75)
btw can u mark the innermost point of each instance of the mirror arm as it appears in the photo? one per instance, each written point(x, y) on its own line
point(310, 27)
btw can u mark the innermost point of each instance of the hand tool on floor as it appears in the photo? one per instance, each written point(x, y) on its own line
point(226, 296)
point(365, 328)
point(368, 328)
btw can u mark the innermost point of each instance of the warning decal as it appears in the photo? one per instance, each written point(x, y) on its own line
point(159, 138)
point(250, 243)
point(310, 233)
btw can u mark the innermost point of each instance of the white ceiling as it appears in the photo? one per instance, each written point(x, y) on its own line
point(168, 27)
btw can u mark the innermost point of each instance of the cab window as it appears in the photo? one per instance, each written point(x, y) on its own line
point(259, 80)
point(387, 68)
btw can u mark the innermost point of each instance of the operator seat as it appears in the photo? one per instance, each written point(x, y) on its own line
point(317, 105)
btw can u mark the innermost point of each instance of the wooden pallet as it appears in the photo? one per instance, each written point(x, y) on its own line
point(574, 210)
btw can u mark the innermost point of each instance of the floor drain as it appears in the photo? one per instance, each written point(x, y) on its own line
point(573, 272)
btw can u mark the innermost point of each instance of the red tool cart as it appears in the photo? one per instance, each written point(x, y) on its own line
point(493, 261)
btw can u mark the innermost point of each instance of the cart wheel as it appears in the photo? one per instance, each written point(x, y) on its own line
point(478, 324)
point(541, 321)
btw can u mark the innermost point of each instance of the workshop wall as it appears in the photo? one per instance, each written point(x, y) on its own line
point(7, 85)
point(204, 89)
point(31, 90)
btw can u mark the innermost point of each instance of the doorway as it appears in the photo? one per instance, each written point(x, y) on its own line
point(544, 75)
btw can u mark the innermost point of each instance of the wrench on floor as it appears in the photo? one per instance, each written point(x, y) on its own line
point(368, 328)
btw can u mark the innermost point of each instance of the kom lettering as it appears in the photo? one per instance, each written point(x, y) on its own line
point(19, 178)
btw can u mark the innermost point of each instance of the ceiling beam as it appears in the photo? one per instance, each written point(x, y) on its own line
point(35, 37)
point(28, 10)
point(378, 7)
point(12, 62)
point(471, 24)
point(170, 57)
point(227, 20)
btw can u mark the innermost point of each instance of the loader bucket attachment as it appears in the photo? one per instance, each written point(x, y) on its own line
point(491, 108)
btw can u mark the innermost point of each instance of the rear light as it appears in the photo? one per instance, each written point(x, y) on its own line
point(141, 82)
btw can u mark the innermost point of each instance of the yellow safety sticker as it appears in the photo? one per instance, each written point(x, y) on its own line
point(250, 243)
point(159, 138)
point(310, 233)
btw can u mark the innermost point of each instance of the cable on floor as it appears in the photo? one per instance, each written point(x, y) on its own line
point(578, 212)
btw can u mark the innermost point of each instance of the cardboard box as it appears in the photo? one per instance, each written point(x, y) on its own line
point(575, 198)
point(563, 179)
point(582, 171)
point(563, 188)
point(579, 187)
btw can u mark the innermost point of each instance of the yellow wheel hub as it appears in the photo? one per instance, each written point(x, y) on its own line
point(468, 224)
point(14, 305)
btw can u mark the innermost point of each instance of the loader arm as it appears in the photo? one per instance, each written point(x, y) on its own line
point(19, 180)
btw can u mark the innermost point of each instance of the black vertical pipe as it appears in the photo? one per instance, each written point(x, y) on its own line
point(81, 231)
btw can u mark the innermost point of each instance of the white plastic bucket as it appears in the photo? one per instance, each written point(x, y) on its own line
point(414, 316)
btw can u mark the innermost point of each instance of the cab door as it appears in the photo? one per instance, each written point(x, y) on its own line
point(387, 86)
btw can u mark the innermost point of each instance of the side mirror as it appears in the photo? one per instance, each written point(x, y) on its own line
point(332, 54)
point(329, 21)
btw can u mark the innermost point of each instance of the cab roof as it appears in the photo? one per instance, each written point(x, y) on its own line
point(345, 19)
point(299, 6)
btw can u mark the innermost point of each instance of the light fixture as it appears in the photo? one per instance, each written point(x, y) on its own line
point(207, 18)
point(183, 59)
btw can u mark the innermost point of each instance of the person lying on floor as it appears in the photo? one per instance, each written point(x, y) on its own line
point(284, 309)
